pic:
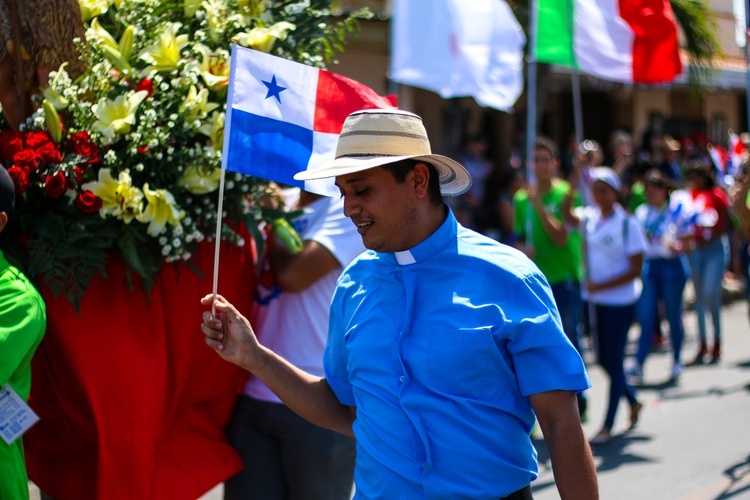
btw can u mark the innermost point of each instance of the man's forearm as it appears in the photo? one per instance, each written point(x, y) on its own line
point(307, 395)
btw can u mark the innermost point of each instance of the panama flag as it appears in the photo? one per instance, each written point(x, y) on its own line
point(632, 41)
point(284, 117)
point(720, 157)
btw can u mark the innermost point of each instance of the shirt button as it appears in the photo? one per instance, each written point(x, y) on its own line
point(401, 378)
point(424, 466)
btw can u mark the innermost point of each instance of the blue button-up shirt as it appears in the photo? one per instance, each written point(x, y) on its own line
point(438, 347)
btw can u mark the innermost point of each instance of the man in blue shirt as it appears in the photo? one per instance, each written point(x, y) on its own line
point(443, 344)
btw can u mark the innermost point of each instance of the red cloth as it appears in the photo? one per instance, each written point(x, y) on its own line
point(132, 402)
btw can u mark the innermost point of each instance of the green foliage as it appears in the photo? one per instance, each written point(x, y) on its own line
point(698, 23)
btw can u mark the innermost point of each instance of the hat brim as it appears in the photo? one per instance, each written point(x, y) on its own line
point(453, 177)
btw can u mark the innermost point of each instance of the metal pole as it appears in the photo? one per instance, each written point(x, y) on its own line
point(577, 105)
point(747, 64)
point(531, 63)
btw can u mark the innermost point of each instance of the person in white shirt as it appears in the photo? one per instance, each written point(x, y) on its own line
point(285, 456)
point(614, 245)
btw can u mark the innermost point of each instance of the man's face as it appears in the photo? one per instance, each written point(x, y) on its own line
point(544, 164)
point(384, 211)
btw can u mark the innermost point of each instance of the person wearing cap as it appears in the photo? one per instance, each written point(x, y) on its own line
point(444, 345)
point(22, 325)
point(667, 224)
point(614, 245)
point(552, 247)
point(740, 195)
point(710, 258)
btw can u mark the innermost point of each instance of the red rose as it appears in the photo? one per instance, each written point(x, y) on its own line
point(55, 185)
point(142, 150)
point(27, 159)
point(49, 154)
point(87, 202)
point(20, 178)
point(35, 139)
point(80, 143)
point(145, 84)
point(11, 142)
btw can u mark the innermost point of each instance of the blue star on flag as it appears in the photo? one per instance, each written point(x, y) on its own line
point(274, 89)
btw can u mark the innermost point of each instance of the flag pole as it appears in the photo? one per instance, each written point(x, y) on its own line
point(224, 156)
point(531, 66)
point(747, 62)
point(577, 106)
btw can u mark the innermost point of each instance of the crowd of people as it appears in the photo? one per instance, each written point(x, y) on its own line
point(619, 238)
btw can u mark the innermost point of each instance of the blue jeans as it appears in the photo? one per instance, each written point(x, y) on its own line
point(567, 296)
point(286, 457)
point(613, 324)
point(707, 266)
point(663, 279)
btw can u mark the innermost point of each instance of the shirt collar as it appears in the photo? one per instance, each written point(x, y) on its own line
point(429, 247)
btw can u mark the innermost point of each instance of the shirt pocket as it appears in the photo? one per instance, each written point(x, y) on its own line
point(463, 362)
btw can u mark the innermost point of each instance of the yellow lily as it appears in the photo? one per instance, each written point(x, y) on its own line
point(214, 129)
point(119, 197)
point(191, 7)
point(214, 67)
point(58, 101)
point(101, 35)
point(161, 210)
point(196, 105)
point(165, 55)
point(116, 117)
point(93, 8)
point(199, 181)
point(263, 39)
point(251, 9)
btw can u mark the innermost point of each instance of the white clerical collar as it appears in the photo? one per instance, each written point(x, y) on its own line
point(404, 258)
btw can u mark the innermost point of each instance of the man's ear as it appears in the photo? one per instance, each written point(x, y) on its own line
point(3, 221)
point(420, 178)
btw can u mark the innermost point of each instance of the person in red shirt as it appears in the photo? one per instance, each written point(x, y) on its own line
point(710, 258)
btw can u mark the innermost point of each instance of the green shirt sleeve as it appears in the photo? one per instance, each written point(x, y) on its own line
point(22, 323)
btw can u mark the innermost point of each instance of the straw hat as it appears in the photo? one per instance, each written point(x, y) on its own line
point(375, 137)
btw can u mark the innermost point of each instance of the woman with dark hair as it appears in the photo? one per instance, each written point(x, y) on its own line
point(666, 222)
point(710, 257)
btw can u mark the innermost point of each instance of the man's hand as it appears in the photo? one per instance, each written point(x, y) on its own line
point(229, 334)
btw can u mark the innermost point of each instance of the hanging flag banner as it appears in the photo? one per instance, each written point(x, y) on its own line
point(466, 49)
point(284, 117)
point(620, 40)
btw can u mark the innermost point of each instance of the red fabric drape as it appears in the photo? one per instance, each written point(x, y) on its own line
point(132, 402)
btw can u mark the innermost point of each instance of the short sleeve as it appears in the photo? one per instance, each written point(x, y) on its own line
point(519, 213)
point(22, 322)
point(636, 239)
point(335, 357)
point(543, 357)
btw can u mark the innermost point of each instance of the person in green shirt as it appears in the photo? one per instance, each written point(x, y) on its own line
point(22, 324)
point(554, 248)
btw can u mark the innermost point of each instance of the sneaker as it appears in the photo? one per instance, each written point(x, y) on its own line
point(676, 371)
point(634, 373)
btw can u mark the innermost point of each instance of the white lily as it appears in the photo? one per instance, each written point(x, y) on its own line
point(161, 209)
point(214, 67)
point(214, 129)
point(118, 115)
point(263, 39)
point(119, 197)
point(196, 105)
point(165, 55)
point(199, 181)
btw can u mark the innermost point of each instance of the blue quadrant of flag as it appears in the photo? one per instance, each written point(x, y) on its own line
point(268, 148)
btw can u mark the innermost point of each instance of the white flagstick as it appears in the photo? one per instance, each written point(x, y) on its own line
point(224, 156)
point(217, 245)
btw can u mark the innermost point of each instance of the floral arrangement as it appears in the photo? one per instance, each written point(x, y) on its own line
point(126, 158)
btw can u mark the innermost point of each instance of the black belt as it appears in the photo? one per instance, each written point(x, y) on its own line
point(522, 494)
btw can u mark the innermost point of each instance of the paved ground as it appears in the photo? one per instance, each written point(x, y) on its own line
point(693, 439)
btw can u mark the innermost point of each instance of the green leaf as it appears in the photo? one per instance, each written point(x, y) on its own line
point(287, 234)
point(49, 226)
